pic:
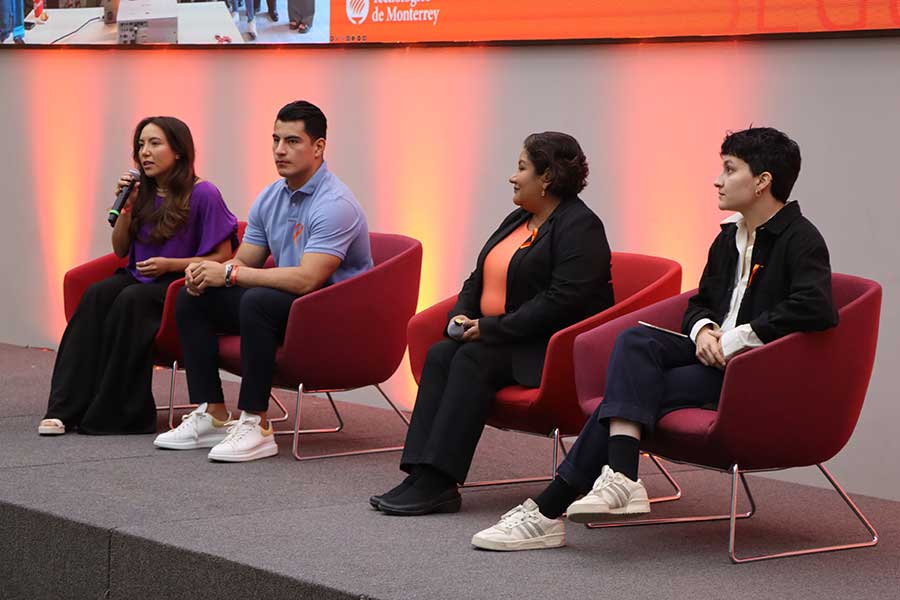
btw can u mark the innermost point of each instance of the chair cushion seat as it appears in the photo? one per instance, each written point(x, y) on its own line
point(514, 409)
point(684, 435)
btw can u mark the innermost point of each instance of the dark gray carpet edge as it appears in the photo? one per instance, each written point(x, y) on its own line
point(142, 568)
point(47, 556)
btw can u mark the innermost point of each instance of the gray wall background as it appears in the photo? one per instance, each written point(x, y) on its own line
point(427, 137)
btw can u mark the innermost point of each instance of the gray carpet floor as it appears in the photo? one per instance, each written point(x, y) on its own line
point(112, 517)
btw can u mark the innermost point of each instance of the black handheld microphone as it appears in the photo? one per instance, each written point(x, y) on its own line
point(122, 198)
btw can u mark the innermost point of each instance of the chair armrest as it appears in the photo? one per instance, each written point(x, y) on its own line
point(593, 348)
point(167, 343)
point(77, 280)
point(424, 330)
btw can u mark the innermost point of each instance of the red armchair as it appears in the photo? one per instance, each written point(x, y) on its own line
point(166, 346)
point(791, 403)
point(552, 409)
point(348, 335)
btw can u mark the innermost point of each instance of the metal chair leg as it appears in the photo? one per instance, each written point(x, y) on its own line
point(853, 508)
point(172, 407)
point(557, 442)
point(297, 432)
point(668, 476)
point(695, 519)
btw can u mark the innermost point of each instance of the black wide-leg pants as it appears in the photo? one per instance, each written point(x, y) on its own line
point(102, 379)
point(456, 394)
point(259, 315)
point(650, 374)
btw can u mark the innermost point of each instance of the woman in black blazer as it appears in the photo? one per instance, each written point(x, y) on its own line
point(546, 267)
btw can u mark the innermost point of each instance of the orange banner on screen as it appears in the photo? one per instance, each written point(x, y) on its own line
point(406, 21)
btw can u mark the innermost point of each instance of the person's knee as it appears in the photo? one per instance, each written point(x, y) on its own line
point(132, 298)
point(261, 306)
point(441, 353)
point(632, 339)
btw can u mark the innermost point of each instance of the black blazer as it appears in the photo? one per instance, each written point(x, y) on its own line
point(791, 290)
point(563, 277)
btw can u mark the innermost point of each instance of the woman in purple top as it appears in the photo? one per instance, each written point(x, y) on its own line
point(102, 379)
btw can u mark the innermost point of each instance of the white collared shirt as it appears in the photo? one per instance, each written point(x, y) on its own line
point(736, 339)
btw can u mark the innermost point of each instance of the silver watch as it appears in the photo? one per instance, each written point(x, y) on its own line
point(228, 269)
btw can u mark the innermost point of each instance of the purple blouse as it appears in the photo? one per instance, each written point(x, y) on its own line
point(209, 223)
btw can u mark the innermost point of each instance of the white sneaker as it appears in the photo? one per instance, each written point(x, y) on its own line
point(246, 441)
point(198, 429)
point(522, 528)
point(251, 28)
point(613, 493)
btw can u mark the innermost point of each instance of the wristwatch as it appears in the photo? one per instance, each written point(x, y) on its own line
point(228, 269)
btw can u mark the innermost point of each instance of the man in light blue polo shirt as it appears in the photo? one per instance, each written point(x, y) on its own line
point(316, 232)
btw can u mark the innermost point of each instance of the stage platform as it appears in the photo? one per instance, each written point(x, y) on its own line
point(112, 517)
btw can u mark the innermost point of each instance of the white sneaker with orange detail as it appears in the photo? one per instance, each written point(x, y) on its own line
point(246, 441)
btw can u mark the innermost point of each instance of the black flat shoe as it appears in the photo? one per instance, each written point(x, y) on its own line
point(412, 503)
point(273, 14)
point(375, 501)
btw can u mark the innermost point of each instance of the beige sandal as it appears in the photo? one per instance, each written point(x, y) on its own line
point(51, 427)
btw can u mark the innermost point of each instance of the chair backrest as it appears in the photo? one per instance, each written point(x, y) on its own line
point(632, 273)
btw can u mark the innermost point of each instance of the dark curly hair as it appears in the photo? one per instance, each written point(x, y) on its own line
point(559, 155)
point(767, 149)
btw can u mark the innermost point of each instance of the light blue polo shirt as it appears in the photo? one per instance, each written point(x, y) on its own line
point(323, 216)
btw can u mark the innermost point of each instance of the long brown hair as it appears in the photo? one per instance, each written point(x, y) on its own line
point(173, 213)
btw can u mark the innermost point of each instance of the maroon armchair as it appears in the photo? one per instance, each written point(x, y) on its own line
point(552, 409)
point(166, 346)
point(348, 335)
point(791, 403)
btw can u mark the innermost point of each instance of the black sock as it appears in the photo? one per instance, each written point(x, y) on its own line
point(556, 498)
point(624, 455)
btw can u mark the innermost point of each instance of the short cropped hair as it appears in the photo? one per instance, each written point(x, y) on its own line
point(560, 155)
point(314, 122)
point(767, 149)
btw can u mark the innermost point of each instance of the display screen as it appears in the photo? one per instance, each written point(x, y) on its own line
point(143, 22)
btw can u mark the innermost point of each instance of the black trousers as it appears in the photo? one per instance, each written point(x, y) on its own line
point(456, 394)
point(102, 379)
point(259, 315)
point(650, 374)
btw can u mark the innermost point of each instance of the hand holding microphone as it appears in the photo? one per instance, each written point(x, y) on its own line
point(462, 328)
point(126, 191)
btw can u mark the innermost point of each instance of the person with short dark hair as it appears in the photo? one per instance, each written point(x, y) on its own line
point(546, 267)
point(316, 232)
point(767, 275)
point(102, 379)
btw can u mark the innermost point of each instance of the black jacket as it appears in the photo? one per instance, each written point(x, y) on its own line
point(791, 289)
point(563, 277)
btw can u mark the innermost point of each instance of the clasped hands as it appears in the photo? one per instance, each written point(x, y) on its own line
point(200, 275)
point(709, 347)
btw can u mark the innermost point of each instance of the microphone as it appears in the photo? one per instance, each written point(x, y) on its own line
point(116, 209)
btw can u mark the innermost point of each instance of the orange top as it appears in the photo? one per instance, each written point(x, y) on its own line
point(496, 265)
